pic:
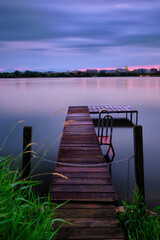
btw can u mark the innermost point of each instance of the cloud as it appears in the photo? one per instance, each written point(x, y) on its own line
point(77, 27)
point(23, 21)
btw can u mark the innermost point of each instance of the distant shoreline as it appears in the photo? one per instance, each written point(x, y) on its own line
point(33, 74)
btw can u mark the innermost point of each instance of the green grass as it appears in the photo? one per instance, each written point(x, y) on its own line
point(23, 214)
point(137, 222)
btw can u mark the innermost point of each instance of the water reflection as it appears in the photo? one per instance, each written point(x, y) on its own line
point(118, 82)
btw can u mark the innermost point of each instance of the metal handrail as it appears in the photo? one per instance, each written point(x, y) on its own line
point(99, 119)
point(107, 117)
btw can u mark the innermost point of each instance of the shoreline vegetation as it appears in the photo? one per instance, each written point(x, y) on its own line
point(23, 214)
point(137, 222)
point(36, 74)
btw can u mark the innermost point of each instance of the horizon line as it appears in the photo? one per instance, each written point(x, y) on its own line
point(130, 68)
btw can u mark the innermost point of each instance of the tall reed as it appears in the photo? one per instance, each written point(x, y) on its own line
point(23, 214)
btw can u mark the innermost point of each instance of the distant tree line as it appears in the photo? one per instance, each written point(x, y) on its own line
point(36, 74)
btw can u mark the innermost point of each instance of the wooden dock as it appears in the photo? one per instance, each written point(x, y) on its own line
point(89, 188)
point(116, 109)
point(112, 109)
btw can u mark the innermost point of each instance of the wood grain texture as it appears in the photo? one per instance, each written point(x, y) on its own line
point(89, 188)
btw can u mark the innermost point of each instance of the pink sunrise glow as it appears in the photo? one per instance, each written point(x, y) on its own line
point(144, 66)
point(129, 67)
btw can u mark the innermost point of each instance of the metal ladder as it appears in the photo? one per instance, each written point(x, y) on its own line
point(105, 138)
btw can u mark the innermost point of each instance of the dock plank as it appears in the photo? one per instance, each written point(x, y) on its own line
point(76, 188)
point(80, 169)
point(84, 195)
point(84, 181)
point(89, 187)
point(83, 175)
point(92, 233)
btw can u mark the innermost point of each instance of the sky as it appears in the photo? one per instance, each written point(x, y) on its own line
point(63, 35)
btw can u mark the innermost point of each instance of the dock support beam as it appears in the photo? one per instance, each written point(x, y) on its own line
point(26, 164)
point(138, 152)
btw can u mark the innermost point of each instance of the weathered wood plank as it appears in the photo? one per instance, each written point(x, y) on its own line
point(93, 233)
point(85, 181)
point(80, 153)
point(73, 147)
point(92, 223)
point(81, 161)
point(85, 205)
point(84, 170)
point(84, 175)
point(92, 195)
point(80, 188)
point(89, 189)
point(92, 145)
point(100, 159)
point(89, 213)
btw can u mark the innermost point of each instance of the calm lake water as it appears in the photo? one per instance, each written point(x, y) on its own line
point(43, 103)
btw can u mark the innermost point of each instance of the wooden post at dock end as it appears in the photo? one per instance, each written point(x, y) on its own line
point(138, 152)
point(26, 164)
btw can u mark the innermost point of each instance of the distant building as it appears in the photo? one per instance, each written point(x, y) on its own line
point(122, 70)
point(126, 68)
point(108, 71)
point(148, 70)
point(141, 70)
point(154, 70)
point(92, 71)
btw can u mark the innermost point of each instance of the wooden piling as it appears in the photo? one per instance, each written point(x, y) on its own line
point(26, 164)
point(138, 152)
